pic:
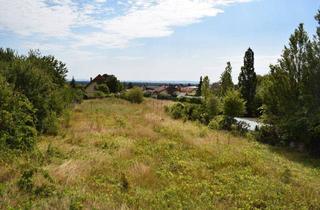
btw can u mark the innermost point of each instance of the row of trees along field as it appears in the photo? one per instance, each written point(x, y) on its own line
point(33, 94)
point(287, 99)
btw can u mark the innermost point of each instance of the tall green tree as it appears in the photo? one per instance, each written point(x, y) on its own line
point(205, 88)
point(226, 80)
point(199, 87)
point(248, 82)
point(292, 96)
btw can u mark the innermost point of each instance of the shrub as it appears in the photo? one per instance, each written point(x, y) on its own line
point(233, 104)
point(41, 80)
point(188, 111)
point(134, 95)
point(51, 124)
point(267, 134)
point(192, 100)
point(214, 124)
point(222, 122)
point(240, 128)
point(212, 106)
point(17, 127)
point(99, 94)
point(176, 111)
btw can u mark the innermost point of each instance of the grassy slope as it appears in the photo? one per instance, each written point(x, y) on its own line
point(113, 154)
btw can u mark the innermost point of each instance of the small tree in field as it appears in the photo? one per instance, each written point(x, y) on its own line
point(134, 95)
point(233, 104)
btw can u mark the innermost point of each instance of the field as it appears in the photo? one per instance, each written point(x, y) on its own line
point(110, 154)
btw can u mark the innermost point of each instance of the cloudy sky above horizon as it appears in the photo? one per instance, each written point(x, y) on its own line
point(154, 39)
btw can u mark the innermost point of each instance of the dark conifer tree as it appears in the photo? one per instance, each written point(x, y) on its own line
point(248, 82)
point(199, 87)
point(73, 83)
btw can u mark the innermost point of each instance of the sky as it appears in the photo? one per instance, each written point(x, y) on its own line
point(154, 40)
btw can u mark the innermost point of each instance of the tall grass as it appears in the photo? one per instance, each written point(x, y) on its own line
point(111, 154)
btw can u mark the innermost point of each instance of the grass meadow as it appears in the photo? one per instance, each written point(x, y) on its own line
point(111, 154)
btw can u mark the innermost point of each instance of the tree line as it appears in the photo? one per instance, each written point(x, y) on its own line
point(287, 99)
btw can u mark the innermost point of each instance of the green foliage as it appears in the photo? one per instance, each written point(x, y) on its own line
point(248, 82)
point(215, 123)
point(187, 111)
point(267, 134)
point(226, 80)
point(113, 84)
point(16, 119)
point(25, 182)
point(205, 87)
point(199, 87)
point(193, 100)
point(291, 97)
point(176, 111)
point(34, 94)
point(212, 106)
point(134, 95)
point(43, 187)
point(233, 104)
point(222, 122)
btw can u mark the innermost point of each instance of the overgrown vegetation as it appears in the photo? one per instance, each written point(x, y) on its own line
point(117, 154)
point(287, 99)
point(291, 94)
point(33, 94)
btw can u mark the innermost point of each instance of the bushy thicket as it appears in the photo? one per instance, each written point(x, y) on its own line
point(233, 104)
point(134, 95)
point(188, 111)
point(33, 94)
point(291, 94)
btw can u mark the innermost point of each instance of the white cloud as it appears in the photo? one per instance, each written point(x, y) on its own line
point(26, 17)
point(137, 19)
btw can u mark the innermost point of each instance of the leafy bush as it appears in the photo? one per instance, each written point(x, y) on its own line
point(99, 94)
point(212, 106)
point(187, 111)
point(176, 111)
point(233, 104)
point(222, 122)
point(214, 124)
point(192, 100)
point(267, 134)
point(134, 95)
point(16, 119)
point(33, 94)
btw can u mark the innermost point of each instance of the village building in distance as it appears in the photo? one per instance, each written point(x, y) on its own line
point(155, 90)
